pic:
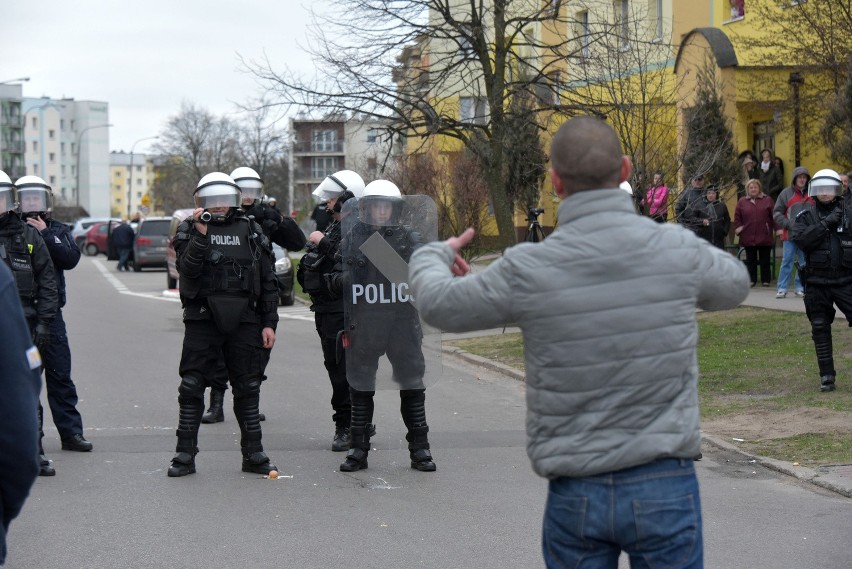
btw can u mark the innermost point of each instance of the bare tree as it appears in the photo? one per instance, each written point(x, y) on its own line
point(408, 62)
point(837, 131)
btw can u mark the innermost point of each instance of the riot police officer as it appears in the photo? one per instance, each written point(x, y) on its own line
point(327, 306)
point(280, 230)
point(381, 320)
point(230, 300)
point(24, 251)
point(36, 205)
point(822, 231)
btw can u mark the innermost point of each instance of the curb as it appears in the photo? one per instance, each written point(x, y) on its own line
point(821, 476)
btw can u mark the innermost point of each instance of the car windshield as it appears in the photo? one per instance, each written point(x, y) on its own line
point(154, 227)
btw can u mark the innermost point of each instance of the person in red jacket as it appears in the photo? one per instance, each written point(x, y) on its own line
point(754, 225)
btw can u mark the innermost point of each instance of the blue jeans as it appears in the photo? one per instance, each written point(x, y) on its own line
point(791, 253)
point(652, 512)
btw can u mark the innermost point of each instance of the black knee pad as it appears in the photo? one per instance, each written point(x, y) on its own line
point(191, 387)
point(246, 388)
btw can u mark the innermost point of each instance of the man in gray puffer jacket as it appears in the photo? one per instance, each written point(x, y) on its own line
point(607, 308)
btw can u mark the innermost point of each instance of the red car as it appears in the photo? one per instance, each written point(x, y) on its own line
point(96, 238)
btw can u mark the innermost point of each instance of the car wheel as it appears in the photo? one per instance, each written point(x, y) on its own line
point(137, 268)
point(170, 282)
point(92, 250)
point(289, 299)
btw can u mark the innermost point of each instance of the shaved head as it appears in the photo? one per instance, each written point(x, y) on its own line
point(586, 155)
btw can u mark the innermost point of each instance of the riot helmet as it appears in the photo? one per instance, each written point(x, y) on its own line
point(218, 195)
point(8, 195)
point(35, 197)
point(826, 182)
point(335, 184)
point(381, 203)
point(249, 182)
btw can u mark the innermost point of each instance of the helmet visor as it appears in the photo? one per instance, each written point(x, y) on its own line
point(250, 187)
point(8, 198)
point(217, 195)
point(34, 199)
point(825, 189)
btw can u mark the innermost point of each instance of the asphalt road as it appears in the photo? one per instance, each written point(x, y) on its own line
point(115, 507)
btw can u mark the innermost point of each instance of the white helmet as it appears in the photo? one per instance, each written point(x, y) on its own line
point(335, 184)
point(34, 195)
point(382, 189)
point(826, 182)
point(626, 187)
point(217, 190)
point(249, 182)
point(8, 194)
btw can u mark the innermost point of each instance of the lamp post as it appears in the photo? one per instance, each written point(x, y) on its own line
point(77, 173)
point(130, 179)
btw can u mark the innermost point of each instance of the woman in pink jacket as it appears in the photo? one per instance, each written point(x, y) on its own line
point(656, 200)
point(753, 223)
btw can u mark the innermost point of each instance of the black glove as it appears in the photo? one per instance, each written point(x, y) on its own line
point(41, 337)
point(832, 220)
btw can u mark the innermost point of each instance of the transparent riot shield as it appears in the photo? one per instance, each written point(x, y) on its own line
point(387, 345)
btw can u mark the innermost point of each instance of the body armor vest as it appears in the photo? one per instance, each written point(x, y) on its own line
point(315, 264)
point(232, 261)
point(16, 254)
point(834, 252)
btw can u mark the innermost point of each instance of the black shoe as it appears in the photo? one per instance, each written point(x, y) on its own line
point(182, 464)
point(356, 459)
point(77, 443)
point(44, 467)
point(826, 383)
point(698, 457)
point(421, 459)
point(213, 415)
point(342, 439)
point(258, 462)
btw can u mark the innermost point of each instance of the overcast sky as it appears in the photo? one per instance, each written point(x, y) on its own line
point(144, 58)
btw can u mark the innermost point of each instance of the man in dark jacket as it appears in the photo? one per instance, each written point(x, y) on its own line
point(689, 202)
point(24, 252)
point(122, 238)
point(36, 201)
point(822, 231)
point(713, 220)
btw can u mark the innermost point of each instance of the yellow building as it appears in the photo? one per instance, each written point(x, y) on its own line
point(130, 185)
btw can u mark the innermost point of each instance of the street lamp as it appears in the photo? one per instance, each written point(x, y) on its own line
point(18, 80)
point(77, 173)
point(130, 181)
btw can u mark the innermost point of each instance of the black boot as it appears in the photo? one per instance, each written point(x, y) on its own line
point(182, 464)
point(821, 334)
point(361, 431)
point(44, 466)
point(826, 383)
point(342, 438)
point(191, 405)
point(258, 462)
point(413, 409)
point(216, 412)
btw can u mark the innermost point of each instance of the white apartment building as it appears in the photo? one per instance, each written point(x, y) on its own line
point(63, 141)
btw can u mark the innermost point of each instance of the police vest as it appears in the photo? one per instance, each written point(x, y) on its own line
point(231, 267)
point(16, 252)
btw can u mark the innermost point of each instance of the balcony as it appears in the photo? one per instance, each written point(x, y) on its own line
point(320, 147)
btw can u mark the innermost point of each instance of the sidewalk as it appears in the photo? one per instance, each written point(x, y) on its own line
point(836, 478)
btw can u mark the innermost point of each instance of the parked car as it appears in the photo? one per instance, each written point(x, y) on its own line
point(149, 246)
point(82, 225)
point(96, 238)
point(172, 275)
point(284, 275)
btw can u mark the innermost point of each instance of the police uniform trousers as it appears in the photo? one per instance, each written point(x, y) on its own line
point(329, 325)
point(819, 306)
point(397, 334)
point(244, 359)
point(61, 391)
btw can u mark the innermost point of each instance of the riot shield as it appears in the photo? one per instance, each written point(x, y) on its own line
point(387, 345)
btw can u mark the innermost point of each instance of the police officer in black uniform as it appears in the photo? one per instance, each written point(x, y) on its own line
point(36, 199)
point(327, 306)
point(230, 299)
point(280, 230)
point(823, 230)
point(390, 327)
point(23, 250)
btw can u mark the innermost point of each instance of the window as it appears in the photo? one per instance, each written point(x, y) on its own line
point(139, 183)
point(737, 9)
point(583, 33)
point(73, 148)
point(61, 124)
point(324, 141)
point(655, 9)
point(465, 45)
point(118, 187)
point(138, 168)
point(62, 148)
point(323, 166)
point(35, 169)
point(51, 134)
point(138, 194)
point(371, 135)
point(72, 125)
point(34, 122)
point(623, 20)
point(35, 145)
point(52, 157)
point(473, 110)
point(62, 168)
point(53, 180)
